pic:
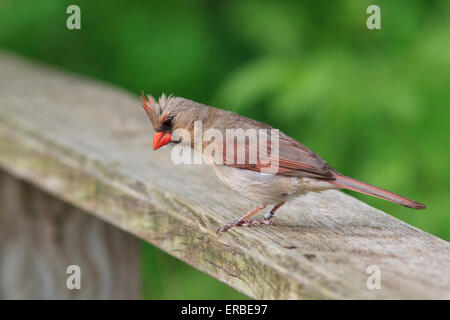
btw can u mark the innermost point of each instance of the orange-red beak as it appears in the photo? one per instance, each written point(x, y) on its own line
point(161, 139)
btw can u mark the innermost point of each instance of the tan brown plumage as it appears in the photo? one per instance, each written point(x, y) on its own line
point(299, 170)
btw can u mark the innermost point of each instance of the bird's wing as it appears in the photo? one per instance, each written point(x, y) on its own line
point(293, 158)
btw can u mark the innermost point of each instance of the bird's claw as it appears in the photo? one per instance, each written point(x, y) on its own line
point(245, 223)
point(231, 225)
point(253, 222)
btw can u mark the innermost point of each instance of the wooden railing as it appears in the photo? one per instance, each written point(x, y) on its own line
point(88, 146)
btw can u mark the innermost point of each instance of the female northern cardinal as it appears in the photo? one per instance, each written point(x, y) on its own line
point(298, 170)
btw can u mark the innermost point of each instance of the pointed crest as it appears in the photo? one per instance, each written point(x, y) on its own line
point(151, 108)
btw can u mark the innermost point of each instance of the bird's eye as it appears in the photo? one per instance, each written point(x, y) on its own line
point(167, 122)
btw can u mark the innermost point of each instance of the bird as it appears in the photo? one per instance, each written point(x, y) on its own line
point(297, 169)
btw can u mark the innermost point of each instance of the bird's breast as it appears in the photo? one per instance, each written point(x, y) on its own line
point(260, 187)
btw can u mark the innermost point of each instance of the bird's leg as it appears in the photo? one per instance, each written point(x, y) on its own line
point(269, 215)
point(242, 219)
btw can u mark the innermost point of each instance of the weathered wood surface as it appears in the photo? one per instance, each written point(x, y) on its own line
point(41, 236)
point(90, 145)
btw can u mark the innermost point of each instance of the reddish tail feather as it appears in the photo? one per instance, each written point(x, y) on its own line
point(359, 186)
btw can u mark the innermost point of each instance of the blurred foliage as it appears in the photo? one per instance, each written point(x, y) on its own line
point(374, 103)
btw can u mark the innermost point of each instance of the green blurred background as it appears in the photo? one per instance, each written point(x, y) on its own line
point(374, 103)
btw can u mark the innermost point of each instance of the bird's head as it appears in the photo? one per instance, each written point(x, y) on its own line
point(169, 114)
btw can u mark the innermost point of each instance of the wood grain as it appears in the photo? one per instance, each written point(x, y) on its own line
point(40, 236)
point(90, 145)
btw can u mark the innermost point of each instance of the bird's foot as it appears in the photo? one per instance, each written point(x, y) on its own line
point(231, 225)
point(253, 222)
point(245, 223)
